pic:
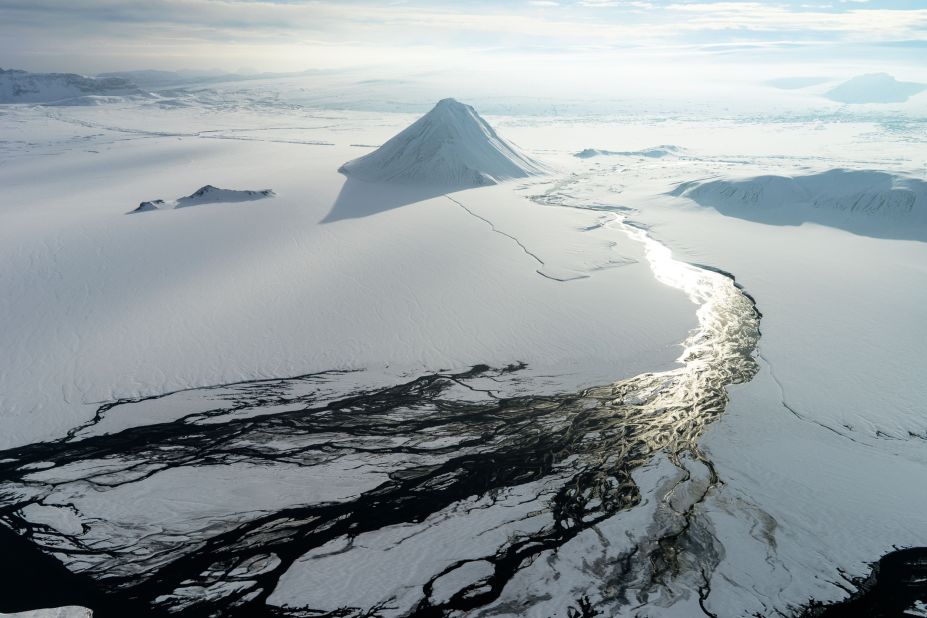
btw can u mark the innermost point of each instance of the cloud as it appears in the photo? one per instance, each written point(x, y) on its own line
point(323, 33)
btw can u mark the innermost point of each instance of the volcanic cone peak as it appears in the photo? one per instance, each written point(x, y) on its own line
point(450, 146)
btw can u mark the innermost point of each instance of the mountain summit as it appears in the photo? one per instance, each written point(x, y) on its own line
point(450, 146)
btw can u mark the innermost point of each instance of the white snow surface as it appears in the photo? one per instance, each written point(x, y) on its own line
point(450, 146)
point(821, 454)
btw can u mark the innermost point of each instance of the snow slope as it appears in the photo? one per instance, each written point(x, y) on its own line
point(450, 146)
point(866, 202)
point(23, 87)
point(205, 195)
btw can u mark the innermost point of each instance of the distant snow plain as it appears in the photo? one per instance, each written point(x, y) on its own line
point(821, 455)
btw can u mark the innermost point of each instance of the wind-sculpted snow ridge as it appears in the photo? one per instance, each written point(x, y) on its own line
point(865, 202)
point(289, 498)
point(205, 195)
point(656, 152)
point(23, 87)
point(450, 146)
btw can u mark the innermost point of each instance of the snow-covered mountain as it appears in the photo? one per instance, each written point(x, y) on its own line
point(874, 88)
point(450, 146)
point(205, 195)
point(864, 201)
point(656, 152)
point(24, 87)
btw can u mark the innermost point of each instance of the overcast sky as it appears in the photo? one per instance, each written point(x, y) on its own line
point(92, 36)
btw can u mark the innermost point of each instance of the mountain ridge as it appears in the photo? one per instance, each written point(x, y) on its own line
point(18, 86)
